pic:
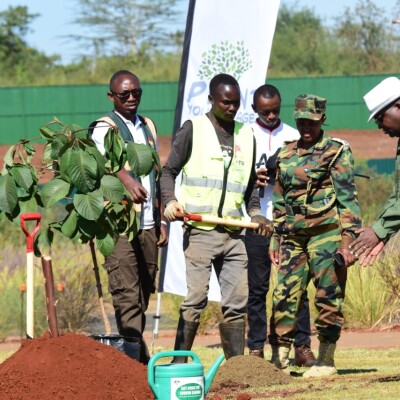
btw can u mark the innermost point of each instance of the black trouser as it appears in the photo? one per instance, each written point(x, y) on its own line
point(259, 270)
point(132, 268)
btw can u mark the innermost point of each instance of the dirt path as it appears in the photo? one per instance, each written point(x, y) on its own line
point(348, 339)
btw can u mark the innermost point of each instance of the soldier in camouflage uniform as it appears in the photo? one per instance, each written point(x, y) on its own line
point(315, 197)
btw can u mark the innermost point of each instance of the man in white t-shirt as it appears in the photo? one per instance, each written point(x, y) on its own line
point(270, 134)
point(132, 266)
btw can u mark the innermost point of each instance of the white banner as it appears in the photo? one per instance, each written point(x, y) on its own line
point(224, 36)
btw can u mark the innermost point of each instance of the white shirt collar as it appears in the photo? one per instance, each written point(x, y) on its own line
point(137, 123)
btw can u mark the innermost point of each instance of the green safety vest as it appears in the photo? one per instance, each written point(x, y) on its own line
point(207, 185)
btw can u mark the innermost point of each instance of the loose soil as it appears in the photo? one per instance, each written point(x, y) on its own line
point(77, 367)
point(244, 372)
point(70, 367)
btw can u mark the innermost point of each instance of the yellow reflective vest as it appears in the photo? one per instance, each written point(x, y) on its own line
point(206, 183)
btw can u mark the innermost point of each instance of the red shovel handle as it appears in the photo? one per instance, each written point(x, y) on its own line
point(30, 235)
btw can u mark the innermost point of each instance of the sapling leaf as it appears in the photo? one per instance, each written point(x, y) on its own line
point(46, 132)
point(53, 191)
point(8, 194)
point(82, 170)
point(140, 158)
point(105, 245)
point(22, 175)
point(9, 157)
point(112, 188)
point(69, 226)
point(90, 205)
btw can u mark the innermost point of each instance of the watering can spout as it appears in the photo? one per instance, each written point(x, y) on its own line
point(208, 378)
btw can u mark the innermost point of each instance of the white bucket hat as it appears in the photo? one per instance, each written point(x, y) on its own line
point(382, 94)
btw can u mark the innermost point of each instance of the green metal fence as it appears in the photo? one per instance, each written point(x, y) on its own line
point(24, 109)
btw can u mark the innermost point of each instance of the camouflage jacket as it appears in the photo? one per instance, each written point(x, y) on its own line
point(388, 223)
point(316, 187)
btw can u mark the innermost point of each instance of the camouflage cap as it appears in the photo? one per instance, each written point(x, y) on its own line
point(309, 106)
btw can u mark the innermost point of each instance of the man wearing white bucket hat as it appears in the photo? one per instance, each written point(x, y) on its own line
point(383, 102)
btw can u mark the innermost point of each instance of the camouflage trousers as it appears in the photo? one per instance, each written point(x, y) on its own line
point(304, 256)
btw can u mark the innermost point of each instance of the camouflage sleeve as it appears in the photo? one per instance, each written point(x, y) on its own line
point(279, 209)
point(346, 193)
point(388, 222)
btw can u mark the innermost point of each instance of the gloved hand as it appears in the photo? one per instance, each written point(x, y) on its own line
point(173, 210)
point(265, 226)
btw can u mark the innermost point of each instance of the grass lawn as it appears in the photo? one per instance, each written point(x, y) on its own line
point(4, 354)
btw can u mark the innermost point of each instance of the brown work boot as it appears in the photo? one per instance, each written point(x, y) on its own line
point(257, 352)
point(303, 356)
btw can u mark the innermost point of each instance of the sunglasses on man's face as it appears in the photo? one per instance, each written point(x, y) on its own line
point(124, 96)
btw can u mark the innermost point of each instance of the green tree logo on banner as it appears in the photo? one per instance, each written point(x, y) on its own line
point(228, 58)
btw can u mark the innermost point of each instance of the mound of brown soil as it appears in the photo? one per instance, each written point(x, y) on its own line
point(72, 367)
point(247, 371)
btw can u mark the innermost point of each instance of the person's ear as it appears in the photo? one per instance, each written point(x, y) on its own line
point(110, 96)
point(254, 109)
point(323, 119)
point(210, 99)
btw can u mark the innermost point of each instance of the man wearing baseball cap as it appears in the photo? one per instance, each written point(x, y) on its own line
point(315, 197)
point(383, 103)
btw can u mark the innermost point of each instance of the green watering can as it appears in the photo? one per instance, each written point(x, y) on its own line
point(180, 381)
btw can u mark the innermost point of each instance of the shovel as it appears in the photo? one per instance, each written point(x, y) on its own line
point(207, 219)
point(29, 270)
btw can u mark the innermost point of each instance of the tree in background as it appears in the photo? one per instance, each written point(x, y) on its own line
point(142, 36)
point(126, 27)
point(365, 38)
point(18, 61)
point(296, 49)
point(361, 41)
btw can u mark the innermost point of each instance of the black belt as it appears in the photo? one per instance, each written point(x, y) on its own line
point(294, 209)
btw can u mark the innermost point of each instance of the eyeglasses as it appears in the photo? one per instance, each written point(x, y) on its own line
point(124, 96)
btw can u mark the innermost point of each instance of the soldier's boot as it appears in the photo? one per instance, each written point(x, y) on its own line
point(185, 334)
point(232, 338)
point(303, 356)
point(280, 356)
point(325, 365)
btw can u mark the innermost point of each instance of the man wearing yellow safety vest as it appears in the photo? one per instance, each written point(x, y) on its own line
point(217, 158)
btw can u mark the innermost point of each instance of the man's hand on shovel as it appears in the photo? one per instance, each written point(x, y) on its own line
point(265, 226)
point(173, 211)
point(265, 229)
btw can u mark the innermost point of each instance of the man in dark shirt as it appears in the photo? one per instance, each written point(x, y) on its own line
point(216, 156)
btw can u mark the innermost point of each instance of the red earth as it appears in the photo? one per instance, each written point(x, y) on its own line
point(71, 366)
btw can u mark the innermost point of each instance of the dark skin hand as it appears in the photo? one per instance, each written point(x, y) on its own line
point(274, 257)
point(163, 240)
point(134, 188)
point(365, 243)
point(348, 256)
point(262, 178)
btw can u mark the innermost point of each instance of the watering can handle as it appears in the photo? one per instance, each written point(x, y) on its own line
point(163, 354)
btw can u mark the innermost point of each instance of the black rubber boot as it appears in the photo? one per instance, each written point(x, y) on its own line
point(232, 338)
point(185, 334)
